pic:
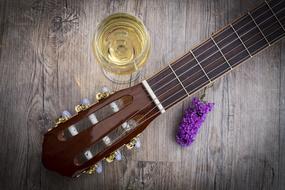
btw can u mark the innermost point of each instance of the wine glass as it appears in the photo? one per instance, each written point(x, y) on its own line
point(121, 47)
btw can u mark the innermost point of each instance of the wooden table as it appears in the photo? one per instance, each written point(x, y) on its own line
point(47, 65)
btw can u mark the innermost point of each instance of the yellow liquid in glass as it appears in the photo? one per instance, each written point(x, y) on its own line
point(121, 44)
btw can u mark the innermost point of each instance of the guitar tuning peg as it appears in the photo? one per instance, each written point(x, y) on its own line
point(135, 142)
point(65, 115)
point(114, 156)
point(59, 120)
point(92, 117)
point(84, 104)
point(105, 92)
point(97, 167)
point(110, 158)
point(73, 131)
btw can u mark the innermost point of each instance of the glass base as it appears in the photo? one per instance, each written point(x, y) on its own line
point(121, 79)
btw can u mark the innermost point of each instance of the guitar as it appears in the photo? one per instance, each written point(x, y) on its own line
point(80, 143)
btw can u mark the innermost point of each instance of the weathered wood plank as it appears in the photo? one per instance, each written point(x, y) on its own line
point(281, 129)
point(21, 100)
point(147, 175)
point(47, 65)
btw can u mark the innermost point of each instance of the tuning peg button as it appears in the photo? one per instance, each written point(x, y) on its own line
point(118, 155)
point(138, 143)
point(85, 101)
point(99, 167)
point(105, 89)
point(66, 114)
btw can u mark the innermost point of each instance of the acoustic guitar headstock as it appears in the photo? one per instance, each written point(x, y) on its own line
point(80, 143)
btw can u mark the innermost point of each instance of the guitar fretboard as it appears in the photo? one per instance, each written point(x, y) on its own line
point(223, 51)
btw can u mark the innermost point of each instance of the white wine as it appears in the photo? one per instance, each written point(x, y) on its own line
point(121, 44)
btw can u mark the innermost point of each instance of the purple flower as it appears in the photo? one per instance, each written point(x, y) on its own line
point(192, 120)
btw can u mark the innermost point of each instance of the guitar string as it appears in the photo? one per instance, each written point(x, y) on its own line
point(227, 36)
point(181, 90)
point(199, 78)
point(212, 63)
point(209, 64)
point(195, 65)
point(140, 121)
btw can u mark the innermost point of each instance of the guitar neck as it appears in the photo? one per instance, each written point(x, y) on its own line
point(222, 52)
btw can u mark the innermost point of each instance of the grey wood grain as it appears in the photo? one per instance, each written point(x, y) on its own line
point(47, 65)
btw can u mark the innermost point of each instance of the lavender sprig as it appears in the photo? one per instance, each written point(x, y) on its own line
point(192, 120)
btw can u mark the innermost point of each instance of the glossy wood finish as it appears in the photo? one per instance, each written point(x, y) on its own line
point(47, 66)
point(59, 155)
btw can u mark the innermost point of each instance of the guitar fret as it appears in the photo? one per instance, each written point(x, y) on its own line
point(259, 28)
point(241, 40)
point(275, 15)
point(267, 22)
point(249, 33)
point(200, 66)
point(178, 79)
point(221, 52)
